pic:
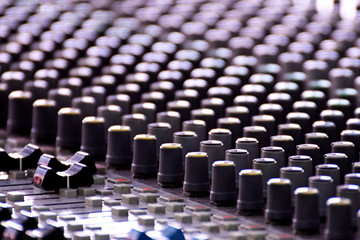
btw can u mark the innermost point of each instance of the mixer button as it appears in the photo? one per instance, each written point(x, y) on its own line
point(210, 227)
point(101, 235)
point(67, 193)
point(74, 226)
point(81, 236)
point(156, 208)
point(145, 189)
point(229, 226)
point(86, 191)
point(22, 206)
point(46, 232)
point(45, 215)
point(184, 218)
point(40, 208)
point(174, 207)
point(137, 212)
point(201, 217)
point(112, 202)
point(130, 199)
point(238, 235)
point(15, 196)
point(148, 197)
point(93, 201)
point(146, 220)
point(119, 211)
point(121, 188)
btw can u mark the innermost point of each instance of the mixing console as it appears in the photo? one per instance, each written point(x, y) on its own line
point(179, 119)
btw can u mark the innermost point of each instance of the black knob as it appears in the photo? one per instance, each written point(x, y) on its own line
point(306, 215)
point(338, 222)
point(278, 207)
point(250, 199)
point(44, 121)
point(223, 189)
point(118, 155)
point(144, 163)
point(68, 129)
point(170, 165)
point(93, 137)
point(196, 181)
point(19, 113)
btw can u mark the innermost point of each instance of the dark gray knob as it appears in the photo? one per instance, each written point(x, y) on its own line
point(351, 192)
point(19, 113)
point(331, 170)
point(352, 178)
point(249, 144)
point(269, 169)
point(303, 161)
point(222, 135)
point(276, 153)
point(118, 153)
point(170, 165)
point(68, 129)
point(250, 199)
point(339, 217)
point(197, 126)
point(278, 207)
point(223, 189)
point(214, 150)
point(325, 186)
point(286, 142)
point(44, 121)
point(93, 137)
point(196, 181)
point(295, 175)
point(171, 117)
point(144, 163)
point(341, 160)
point(241, 159)
point(188, 140)
point(306, 216)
